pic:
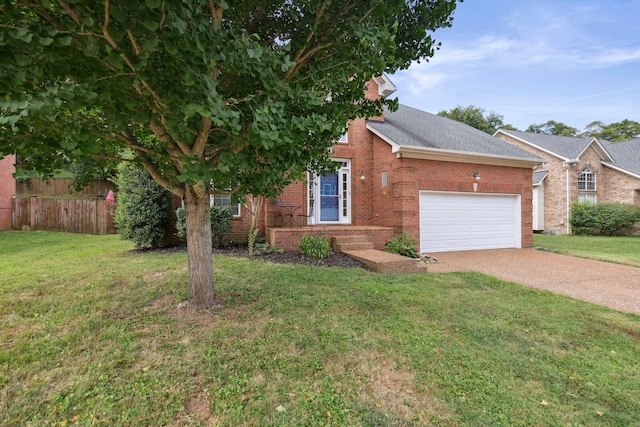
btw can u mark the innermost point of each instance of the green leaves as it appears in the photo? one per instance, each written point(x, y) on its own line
point(270, 116)
point(21, 34)
point(151, 25)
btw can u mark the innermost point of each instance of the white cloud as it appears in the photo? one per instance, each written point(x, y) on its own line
point(573, 62)
point(478, 50)
point(617, 56)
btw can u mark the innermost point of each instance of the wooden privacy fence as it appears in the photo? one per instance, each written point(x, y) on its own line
point(94, 216)
point(62, 188)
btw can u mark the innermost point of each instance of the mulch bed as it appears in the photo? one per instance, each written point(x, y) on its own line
point(333, 260)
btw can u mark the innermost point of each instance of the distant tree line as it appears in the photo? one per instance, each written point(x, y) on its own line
point(490, 122)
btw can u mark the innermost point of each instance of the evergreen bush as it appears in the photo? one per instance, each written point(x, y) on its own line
point(143, 209)
point(220, 223)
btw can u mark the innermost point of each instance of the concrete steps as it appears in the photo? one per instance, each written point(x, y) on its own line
point(351, 243)
point(385, 262)
point(360, 248)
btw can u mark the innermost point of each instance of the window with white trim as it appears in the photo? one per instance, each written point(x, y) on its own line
point(225, 200)
point(587, 197)
point(344, 138)
point(587, 180)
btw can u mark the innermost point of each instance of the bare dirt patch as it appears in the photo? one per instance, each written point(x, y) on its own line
point(196, 412)
point(387, 388)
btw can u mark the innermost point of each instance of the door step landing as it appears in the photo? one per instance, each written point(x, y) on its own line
point(385, 262)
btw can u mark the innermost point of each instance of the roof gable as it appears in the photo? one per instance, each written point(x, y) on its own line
point(538, 177)
point(416, 132)
point(563, 147)
point(626, 156)
point(623, 156)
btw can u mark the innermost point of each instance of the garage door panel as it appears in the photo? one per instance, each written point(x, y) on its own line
point(465, 221)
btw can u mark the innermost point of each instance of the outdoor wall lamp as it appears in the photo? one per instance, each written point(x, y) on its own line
point(362, 177)
point(476, 177)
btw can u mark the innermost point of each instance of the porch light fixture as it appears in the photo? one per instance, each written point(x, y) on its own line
point(362, 177)
point(476, 177)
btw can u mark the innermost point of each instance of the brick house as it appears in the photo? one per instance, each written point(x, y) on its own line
point(577, 169)
point(450, 186)
point(7, 190)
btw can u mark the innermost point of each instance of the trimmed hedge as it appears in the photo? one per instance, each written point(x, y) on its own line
point(607, 219)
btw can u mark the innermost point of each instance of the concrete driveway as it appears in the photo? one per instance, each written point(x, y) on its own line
point(611, 285)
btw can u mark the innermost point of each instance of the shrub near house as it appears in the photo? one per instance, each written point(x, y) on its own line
point(607, 219)
point(143, 210)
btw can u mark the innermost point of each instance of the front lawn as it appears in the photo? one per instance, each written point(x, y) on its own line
point(92, 333)
point(618, 249)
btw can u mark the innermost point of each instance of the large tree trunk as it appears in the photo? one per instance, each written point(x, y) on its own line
point(201, 295)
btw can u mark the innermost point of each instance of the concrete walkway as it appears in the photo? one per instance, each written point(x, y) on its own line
point(611, 285)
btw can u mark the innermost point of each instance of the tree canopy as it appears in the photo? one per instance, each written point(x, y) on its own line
point(551, 127)
point(490, 122)
point(618, 131)
point(477, 118)
point(242, 96)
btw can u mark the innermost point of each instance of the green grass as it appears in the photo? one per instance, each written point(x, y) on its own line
point(618, 249)
point(92, 334)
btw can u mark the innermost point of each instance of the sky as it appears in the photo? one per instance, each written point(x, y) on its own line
point(572, 61)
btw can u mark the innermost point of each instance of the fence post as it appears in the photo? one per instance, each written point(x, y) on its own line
point(34, 212)
point(14, 204)
point(96, 216)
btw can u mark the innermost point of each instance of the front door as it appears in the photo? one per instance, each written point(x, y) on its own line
point(330, 196)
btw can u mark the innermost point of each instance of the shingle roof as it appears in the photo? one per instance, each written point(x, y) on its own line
point(626, 154)
point(567, 147)
point(538, 176)
point(410, 127)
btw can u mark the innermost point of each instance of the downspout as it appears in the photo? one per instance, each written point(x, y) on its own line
point(568, 165)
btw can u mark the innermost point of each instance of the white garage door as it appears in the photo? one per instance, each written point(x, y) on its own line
point(468, 221)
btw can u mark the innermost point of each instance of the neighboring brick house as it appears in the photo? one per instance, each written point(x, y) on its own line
point(450, 186)
point(7, 190)
point(577, 169)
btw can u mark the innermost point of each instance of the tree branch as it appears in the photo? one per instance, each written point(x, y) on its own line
point(166, 130)
point(105, 31)
point(301, 62)
point(216, 12)
point(304, 54)
point(134, 43)
point(70, 11)
point(141, 154)
point(202, 137)
point(164, 16)
point(132, 142)
point(158, 177)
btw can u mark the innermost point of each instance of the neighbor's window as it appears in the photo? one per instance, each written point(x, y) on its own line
point(587, 180)
point(344, 138)
point(384, 179)
point(225, 200)
point(587, 197)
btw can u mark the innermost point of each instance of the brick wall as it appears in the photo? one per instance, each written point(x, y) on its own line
point(289, 239)
point(618, 187)
point(7, 190)
point(397, 204)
